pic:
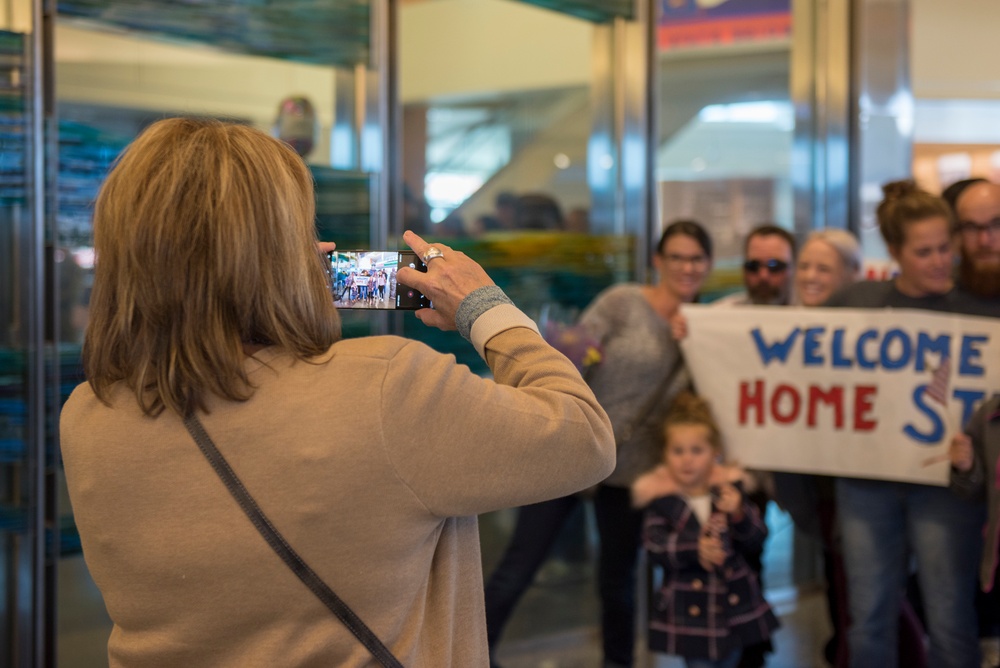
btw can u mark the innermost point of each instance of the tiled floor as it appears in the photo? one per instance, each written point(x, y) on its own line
point(797, 643)
point(553, 627)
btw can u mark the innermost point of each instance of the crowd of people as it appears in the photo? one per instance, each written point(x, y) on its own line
point(367, 286)
point(247, 519)
point(871, 531)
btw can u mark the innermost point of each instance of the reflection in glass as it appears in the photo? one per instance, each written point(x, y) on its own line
point(121, 65)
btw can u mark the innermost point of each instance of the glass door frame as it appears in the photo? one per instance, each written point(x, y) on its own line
point(32, 552)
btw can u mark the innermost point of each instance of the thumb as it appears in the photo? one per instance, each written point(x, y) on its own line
point(433, 318)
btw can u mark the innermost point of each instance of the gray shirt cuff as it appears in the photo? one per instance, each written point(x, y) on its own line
point(476, 303)
point(486, 312)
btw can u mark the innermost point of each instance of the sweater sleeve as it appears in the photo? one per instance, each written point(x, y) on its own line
point(467, 445)
point(749, 533)
point(601, 316)
point(971, 484)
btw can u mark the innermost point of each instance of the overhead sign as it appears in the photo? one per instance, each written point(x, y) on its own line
point(697, 23)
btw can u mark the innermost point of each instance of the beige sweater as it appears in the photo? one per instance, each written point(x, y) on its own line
point(373, 463)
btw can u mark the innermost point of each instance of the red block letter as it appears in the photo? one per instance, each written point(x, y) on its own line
point(752, 401)
point(864, 398)
point(833, 397)
point(791, 415)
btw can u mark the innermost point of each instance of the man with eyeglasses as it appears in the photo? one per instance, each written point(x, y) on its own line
point(768, 253)
point(977, 209)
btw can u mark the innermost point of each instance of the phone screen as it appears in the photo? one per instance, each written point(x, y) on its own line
point(366, 279)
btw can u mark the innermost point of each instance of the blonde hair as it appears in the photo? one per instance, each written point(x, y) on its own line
point(205, 239)
point(903, 203)
point(844, 243)
point(688, 408)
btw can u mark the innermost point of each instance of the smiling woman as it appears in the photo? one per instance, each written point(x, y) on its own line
point(878, 519)
point(829, 261)
point(640, 373)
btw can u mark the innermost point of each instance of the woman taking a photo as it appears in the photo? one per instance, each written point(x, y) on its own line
point(214, 344)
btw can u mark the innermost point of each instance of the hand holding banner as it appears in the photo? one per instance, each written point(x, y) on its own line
point(842, 391)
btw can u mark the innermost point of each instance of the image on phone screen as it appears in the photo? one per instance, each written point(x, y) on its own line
point(366, 279)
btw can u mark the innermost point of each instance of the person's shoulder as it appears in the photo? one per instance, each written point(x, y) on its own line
point(79, 401)
point(85, 414)
point(620, 291)
point(988, 409)
point(987, 416)
point(616, 298)
point(378, 347)
point(735, 299)
point(861, 294)
point(967, 303)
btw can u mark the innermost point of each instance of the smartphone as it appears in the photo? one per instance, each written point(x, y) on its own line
point(366, 279)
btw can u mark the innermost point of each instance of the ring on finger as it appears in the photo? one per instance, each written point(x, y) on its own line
point(431, 253)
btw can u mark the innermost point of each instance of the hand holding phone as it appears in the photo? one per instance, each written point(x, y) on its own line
point(447, 280)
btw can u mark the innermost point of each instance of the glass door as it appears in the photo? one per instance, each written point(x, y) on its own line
point(525, 144)
point(26, 446)
point(310, 73)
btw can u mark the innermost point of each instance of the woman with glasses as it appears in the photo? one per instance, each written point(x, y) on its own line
point(640, 373)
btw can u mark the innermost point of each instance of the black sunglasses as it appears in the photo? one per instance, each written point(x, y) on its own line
point(773, 266)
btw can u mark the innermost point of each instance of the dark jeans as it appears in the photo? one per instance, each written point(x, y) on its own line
point(881, 522)
point(535, 532)
point(988, 609)
point(620, 530)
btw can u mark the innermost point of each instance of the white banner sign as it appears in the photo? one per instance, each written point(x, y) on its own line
point(842, 391)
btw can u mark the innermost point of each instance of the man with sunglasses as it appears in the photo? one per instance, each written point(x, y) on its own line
point(768, 253)
point(977, 209)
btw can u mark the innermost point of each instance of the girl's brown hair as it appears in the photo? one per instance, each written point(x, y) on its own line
point(903, 203)
point(205, 240)
point(688, 408)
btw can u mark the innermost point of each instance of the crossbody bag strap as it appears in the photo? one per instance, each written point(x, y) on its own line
point(308, 576)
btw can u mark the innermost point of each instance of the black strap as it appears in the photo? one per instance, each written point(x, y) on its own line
point(284, 550)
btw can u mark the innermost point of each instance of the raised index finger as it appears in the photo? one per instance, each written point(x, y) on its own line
point(415, 242)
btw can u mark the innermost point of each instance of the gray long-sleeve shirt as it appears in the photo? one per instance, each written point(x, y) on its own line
point(639, 352)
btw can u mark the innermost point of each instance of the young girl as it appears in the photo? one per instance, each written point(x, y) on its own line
point(708, 604)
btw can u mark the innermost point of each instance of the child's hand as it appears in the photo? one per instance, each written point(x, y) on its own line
point(717, 524)
point(730, 501)
point(960, 452)
point(710, 551)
